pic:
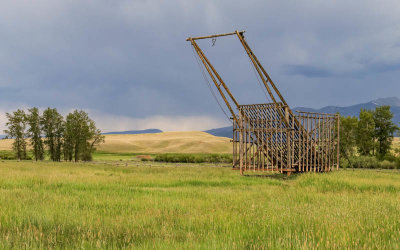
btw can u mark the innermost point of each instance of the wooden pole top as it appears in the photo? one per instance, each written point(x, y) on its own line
point(213, 36)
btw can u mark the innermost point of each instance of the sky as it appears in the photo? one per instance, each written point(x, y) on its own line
point(128, 64)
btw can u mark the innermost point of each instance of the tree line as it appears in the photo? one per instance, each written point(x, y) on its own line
point(72, 139)
point(369, 134)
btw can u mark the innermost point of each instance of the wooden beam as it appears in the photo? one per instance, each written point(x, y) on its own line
point(213, 36)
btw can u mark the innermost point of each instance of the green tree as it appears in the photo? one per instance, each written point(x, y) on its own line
point(68, 148)
point(81, 136)
point(17, 129)
point(384, 129)
point(96, 138)
point(348, 131)
point(34, 132)
point(365, 132)
point(52, 124)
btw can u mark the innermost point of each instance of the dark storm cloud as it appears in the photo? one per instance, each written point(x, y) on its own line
point(130, 58)
point(316, 72)
point(308, 71)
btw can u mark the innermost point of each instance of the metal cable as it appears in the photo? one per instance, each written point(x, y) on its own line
point(208, 83)
point(259, 81)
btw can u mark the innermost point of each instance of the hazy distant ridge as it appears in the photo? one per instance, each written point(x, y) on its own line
point(352, 110)
point(135, 132)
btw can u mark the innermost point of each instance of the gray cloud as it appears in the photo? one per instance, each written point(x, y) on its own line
point(308, 71)
point(130, 58)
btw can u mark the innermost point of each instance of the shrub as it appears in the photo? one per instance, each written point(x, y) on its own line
point(10, 155)
point(7, 155)
point(388, 164)
point(371, 162)
point(144, 157)
point(194, 158)
point(365, 162)
point(343, 163)
point(389, 157)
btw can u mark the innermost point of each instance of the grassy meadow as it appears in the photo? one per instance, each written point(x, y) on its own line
point(122, 200)
point(133, 204)
point(167, 142)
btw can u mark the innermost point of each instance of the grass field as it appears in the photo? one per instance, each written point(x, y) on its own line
point(158, 205)
point(166, 142)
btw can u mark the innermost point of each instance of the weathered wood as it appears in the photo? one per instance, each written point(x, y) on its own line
point(338, 142)
point(214, 36)
point(269, 136)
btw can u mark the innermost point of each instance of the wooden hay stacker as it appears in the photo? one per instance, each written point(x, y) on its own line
point(269, 136)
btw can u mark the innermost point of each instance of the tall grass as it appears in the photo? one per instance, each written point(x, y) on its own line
point(370, 162)
point(67, 205)
point(10, 155)
point(194, 158)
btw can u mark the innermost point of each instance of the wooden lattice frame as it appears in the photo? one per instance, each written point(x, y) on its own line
point(270, 136)
point(263, 142)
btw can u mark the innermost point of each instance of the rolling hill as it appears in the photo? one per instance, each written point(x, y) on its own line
point(165, 142)
point(223, 132)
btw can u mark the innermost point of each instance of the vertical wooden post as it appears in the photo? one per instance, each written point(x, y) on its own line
point(263, 143)
point(288, 157)
point(234, 144)
point(319, 144)
point(322, 152)
point(330, 143)
point(245, 143)
point(303, 140)
point(281, 144)
point(315, 143)
point(241, 141)
point(308, 144)
point(293, 146)
point(267, 149)
point(338, 141)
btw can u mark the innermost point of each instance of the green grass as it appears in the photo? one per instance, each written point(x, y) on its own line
point(108, 156)
point(194, 158)
point(92, 205)
point(167, 157)
point(10, 155)
point(7, 155)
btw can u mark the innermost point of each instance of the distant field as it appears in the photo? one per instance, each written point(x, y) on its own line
point(154, 205)
point(396, 142)
point(166, 142)
point(6, 145)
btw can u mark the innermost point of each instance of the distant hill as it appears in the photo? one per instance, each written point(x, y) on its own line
point(352, 110)
point(134, 132)
point(223, 132)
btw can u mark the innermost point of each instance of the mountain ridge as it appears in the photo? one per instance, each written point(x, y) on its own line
point(352, 110)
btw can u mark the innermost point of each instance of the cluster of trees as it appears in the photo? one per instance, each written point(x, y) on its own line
point(371, 134)
point(72, 139)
